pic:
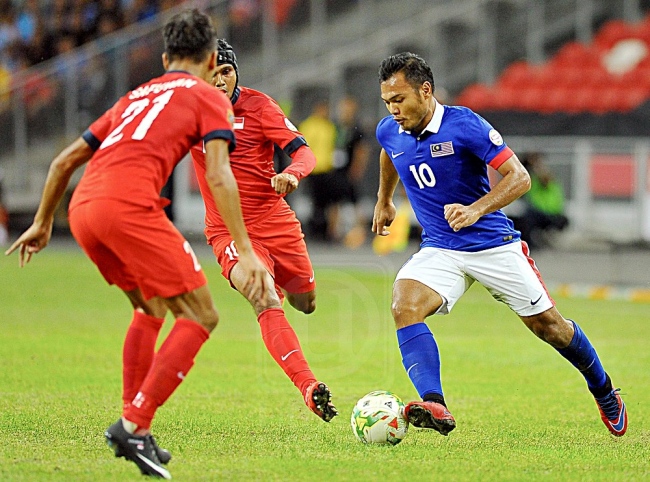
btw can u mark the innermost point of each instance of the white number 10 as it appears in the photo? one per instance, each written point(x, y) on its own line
point(423, 175)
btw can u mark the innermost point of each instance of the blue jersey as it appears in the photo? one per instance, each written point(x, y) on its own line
point(446, 164)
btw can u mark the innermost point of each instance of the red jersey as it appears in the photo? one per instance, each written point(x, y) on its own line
point(259, 124)
point(139, 140)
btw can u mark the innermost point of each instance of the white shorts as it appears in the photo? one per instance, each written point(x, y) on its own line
point(507, 272)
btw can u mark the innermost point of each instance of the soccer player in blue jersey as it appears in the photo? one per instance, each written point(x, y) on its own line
point(441, 154)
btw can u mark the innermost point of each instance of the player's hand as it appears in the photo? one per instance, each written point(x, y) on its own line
point(258, 284)
point(284, 183)
point(383, 217)
point(30, 242)
point(459, 216)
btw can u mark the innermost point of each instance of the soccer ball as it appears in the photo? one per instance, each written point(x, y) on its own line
point(378, 418)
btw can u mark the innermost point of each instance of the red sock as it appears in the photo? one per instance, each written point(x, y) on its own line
point(170, 366)
point(283, 345)
point(138, 352)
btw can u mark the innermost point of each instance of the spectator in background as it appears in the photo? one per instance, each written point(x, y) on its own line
point(320, 133)
point(350, 163)
point(42, 45)
point(543, 204)
point(110, 9)
point(141, 10)
point(9, 33)
point(27, 20)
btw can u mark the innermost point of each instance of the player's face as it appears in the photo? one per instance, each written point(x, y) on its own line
point(411, 108)
point(225, 79)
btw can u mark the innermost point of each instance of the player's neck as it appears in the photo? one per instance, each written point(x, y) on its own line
point(193, 68)
point(426, 119)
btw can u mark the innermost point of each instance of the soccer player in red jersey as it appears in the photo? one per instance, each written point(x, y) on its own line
point(275, 231)
point(117, 217)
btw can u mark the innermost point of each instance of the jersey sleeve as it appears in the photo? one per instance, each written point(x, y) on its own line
point(217, 117)
point(485, 142)
point(279, 129)
point(100, 129)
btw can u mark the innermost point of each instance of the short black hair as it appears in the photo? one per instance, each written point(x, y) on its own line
point(189, 34)
point(416, 70)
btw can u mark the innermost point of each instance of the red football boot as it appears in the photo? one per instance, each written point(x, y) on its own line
point(430, 415)
point(317, 398)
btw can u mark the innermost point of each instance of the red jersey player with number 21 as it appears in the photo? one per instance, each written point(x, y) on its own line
point(117, 218)
point(273, 227)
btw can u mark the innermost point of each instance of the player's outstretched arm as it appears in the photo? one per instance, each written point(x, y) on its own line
point(385, 208)
point(37, 236)
point(226, 196)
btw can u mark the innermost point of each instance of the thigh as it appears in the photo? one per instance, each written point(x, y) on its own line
point(91, 236)
point(146, 245)
point(442, 271)
point(511, 276)
point(282, 236)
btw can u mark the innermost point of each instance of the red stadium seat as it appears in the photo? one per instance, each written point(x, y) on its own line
point(613, 32)
point(555, 99)
point(476, 97)
point(516, 74)
point(576, 55)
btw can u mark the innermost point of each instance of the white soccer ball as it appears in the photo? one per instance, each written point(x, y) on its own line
point(378, 418)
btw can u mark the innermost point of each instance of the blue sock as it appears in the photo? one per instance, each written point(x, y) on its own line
point(582, 355)
point(420, 358)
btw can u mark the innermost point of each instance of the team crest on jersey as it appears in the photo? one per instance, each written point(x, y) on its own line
point(442, 149)
point(239, 123)
point(231, 118)
point(495, 137)
point(289, 125)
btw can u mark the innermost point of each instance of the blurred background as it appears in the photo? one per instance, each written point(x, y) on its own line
point(567, 82)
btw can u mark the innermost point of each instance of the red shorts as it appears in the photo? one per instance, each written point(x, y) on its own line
point(279, 243)
point(136, 247)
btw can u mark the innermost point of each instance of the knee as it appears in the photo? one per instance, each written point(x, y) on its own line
point(405, 314)
point(210, 321)
point(305, 302)
point(554, 330)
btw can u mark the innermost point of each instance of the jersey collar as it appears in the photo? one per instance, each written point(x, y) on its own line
point(436, 120)
point(235, 95)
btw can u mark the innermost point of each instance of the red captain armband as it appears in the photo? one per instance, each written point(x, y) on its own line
point(500, 158)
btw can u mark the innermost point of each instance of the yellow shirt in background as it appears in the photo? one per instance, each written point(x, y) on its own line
point(320, 134)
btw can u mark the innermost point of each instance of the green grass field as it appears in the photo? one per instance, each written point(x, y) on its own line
point(523, 412)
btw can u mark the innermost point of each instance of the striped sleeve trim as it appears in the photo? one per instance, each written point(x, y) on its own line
point(92, 141)
point(222, 134)
point(294, 145)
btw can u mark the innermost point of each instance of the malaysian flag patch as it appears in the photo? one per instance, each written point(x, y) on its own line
point(442, 149)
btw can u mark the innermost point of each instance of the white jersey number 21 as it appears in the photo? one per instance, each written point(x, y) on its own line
point(132, 111)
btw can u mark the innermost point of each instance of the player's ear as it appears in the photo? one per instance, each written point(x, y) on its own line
point(427, 89)
point(165, 60)
point(213, 60)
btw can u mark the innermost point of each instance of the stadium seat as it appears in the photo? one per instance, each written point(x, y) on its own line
point(555, 99)
point(516, 74)
point(575, 80)
point(476, 97)
point(576, 55)
point(613, 32)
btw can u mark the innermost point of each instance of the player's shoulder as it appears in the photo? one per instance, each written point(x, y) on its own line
point(252, 96)
point(387, 126)
point(462, 113)
point(459, 112)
